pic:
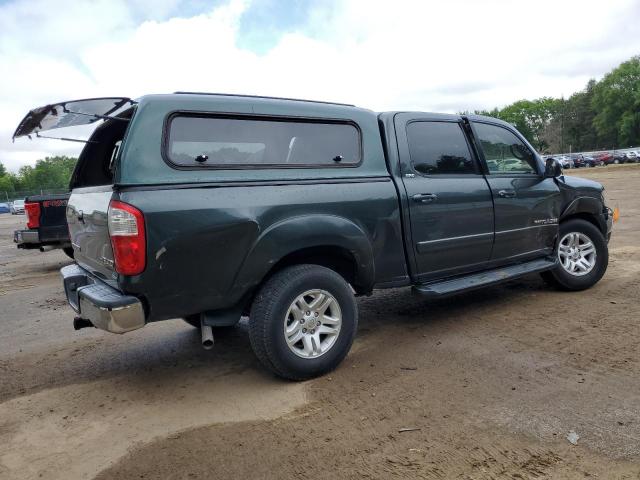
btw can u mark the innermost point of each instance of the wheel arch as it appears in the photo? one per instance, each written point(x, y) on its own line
point(327, 240)
point(585, 208)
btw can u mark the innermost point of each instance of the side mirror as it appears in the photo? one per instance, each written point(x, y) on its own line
point(552, 169)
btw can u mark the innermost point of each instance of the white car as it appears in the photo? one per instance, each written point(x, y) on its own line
point(565, 161)
point(17, 207)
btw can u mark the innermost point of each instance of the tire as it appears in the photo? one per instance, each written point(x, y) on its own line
point(560, 277)
point(68, 251)
point(275, 311)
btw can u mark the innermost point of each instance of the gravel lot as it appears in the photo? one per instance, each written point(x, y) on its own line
point(490, 384)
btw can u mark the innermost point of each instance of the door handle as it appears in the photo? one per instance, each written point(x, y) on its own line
point(507, 193)
point(424, 197)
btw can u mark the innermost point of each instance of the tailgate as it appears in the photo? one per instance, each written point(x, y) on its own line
point(89, 232)
point(52, 223)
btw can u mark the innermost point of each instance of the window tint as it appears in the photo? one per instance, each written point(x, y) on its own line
point(504, 152)
point(439, 147)
point(227, 141)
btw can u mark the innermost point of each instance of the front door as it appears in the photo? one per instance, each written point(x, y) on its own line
point(450, 204)
point(527, 205)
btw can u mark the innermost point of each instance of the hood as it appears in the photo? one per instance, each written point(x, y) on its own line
point(69, 113)
point(583, 185)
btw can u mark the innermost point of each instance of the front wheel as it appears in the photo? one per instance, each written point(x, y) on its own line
point(583, 256)
point(303, 322)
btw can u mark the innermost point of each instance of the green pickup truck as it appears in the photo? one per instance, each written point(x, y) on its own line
point(208, 207)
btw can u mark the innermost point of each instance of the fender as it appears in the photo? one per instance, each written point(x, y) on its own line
point(297, 233)
point(589, 205)
point(586, 205)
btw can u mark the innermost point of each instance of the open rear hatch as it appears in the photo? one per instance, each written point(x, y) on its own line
point(92, 179)
point(68, 114)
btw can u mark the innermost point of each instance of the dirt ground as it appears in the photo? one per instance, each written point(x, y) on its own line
point(489, 383)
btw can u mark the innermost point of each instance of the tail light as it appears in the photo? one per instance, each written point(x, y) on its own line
point(126, 229)
point(33, 214)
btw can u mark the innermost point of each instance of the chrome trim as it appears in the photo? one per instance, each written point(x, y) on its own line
point(527, 228)
point(451, 239)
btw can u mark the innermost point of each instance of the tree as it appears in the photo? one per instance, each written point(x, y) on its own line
point(605, 115)
point(616, 100)
point(51, 173)
point(3, 170)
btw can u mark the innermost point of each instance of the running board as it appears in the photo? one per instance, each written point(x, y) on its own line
point(483, 279)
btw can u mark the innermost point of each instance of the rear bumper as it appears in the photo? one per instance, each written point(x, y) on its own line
point(105, 307)
point(26, 238)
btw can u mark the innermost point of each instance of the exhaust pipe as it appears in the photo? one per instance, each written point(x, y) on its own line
point(46, 248)
point(207, 336)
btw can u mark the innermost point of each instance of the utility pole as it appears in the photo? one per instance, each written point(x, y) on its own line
point(562, 125)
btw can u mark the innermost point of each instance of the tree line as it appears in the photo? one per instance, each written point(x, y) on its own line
point(52, 173)
point(605, 115)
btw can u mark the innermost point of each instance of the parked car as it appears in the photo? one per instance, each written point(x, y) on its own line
point(633, 156)
point(215, 206)
point(578, 160)
point(620, 157)
point(590, 161)
point(605, 158)
point(17, 207)
point(46, 224)
point(565, 161)
point(4, 208)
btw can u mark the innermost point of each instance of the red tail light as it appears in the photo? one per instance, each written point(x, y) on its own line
point(33, 214)
point(126, 229)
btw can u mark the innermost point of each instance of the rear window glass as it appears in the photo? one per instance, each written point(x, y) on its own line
point(197, 141)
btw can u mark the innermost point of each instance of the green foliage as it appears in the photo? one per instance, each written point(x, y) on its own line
point(52, 173)
point(605, 115)
point(616, 99)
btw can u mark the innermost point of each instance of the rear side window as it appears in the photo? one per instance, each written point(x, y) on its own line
point(197, 141)
point(504, 153)
point(439, 148)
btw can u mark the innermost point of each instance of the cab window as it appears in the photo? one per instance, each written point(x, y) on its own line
point(504, 152)
point(438, 148)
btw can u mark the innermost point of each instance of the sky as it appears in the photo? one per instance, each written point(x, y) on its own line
point(430, 55)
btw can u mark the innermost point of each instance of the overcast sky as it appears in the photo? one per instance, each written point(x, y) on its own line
point(439, 55)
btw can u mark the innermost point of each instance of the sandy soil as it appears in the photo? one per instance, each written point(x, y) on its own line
point(489, 383)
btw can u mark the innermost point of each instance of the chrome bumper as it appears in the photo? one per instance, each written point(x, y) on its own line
point(26, 237)
point(105, 307)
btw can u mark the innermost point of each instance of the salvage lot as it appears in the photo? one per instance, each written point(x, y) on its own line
point(490, 383)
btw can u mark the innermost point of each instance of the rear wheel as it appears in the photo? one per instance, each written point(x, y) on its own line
point(583, 256)
point(303, 322)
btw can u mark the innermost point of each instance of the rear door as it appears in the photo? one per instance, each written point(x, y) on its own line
point(450, 205)
point(527, 205)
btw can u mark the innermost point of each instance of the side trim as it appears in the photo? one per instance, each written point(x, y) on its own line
point(251, 183)
point(452, 239)
point(502, 232)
